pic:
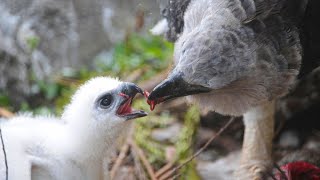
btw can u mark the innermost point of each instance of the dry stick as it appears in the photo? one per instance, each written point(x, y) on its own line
point(5, 113)
point(144, 160)
point(139, 171)
point(271, 175)
point(283, 175)
point(123, 151)
point(4, 154)
point(135, 75)
point(170, 173)
point(120, 158)
point(164, 169)
point(176, 176)
point(67, 81)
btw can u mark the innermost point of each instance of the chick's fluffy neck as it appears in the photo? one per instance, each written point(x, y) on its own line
point(89, 141)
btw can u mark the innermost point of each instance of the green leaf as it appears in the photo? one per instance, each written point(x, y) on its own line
point(33, 42)
point(51, 91)
point(4, 100)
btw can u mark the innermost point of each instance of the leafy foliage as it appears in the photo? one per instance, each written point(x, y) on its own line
point(33, 42)
point(4, 99)
point(148, 53)
point(185, 141)
point(143, 130)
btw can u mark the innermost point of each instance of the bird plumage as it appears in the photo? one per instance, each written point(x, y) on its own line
point(237, 57)
point(303, 13)
point(75, 146)
point(243, 63)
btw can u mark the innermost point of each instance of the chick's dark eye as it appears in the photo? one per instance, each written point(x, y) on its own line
point(105, 101)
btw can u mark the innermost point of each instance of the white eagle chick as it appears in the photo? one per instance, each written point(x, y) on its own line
point(75, 146)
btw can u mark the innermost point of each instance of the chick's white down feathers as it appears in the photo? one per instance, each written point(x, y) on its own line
point(71, 147)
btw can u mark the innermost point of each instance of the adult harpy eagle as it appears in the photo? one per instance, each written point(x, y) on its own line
point(236, 57)
point(75, 147)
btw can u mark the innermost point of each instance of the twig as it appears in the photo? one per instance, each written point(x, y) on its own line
point(164, 169)
point(270, 175)
point(151, 83)
point(176, 176)
point(167, 175)
point(66, 81)
point(139, 20)
point(170, 173)
point(119, 160)
point(5, 154)
point(143, 159)
point(135, 75)
point(283, 175)
point(138, 169)
point(140, 173)
point(5, 113)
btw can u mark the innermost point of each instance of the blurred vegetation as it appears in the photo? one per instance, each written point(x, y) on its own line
point(33, 42)
point(185, 142)
point(143, 129)
point(149, 54)
point(183, 145)
point(4, 99)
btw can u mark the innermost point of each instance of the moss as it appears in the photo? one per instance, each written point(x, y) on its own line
point(137, 52)
point(64, 98)
point(4, 99)
point(149, 52)
point(143, 128)
point(155, 151)
point(185, 142)
point(33, 42)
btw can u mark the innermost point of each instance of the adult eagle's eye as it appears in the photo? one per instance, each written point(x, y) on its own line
point(105, 101)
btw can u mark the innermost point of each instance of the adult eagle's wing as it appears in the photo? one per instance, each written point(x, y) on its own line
point(307, 16)
point(173, 12)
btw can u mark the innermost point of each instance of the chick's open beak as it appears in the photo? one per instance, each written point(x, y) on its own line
point(128, 92)
point(172, 87)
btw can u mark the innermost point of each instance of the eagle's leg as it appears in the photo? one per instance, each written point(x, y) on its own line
point(257, 142)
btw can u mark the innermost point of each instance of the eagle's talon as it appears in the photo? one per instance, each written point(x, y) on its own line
point(254, 172)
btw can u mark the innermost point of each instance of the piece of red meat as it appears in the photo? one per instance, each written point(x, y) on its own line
point(299, 170)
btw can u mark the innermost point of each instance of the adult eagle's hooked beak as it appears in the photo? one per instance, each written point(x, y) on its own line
point(172, 87)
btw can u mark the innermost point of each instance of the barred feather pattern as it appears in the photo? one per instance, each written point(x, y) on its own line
point(245, 57)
